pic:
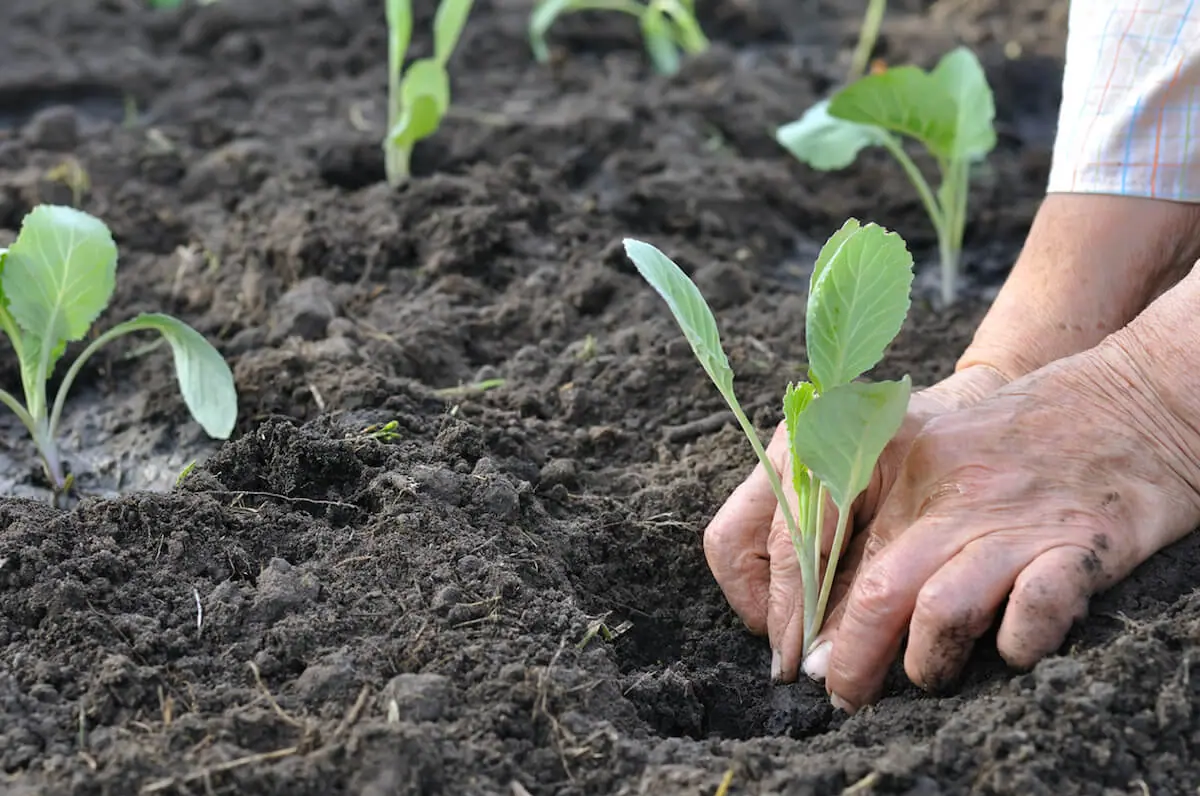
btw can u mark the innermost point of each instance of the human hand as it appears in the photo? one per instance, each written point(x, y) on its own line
point(749, 549)
point(1052, 489)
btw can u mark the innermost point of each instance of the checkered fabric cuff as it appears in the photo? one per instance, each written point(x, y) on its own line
point(1129, 123)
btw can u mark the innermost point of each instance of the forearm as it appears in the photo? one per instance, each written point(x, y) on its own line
point(1117, 228)
point(1091, 263)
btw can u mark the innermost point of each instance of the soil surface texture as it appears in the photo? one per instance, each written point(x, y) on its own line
point(397, 580)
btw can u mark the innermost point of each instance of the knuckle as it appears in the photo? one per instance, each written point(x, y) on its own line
point(874, 594)
point(943, 610)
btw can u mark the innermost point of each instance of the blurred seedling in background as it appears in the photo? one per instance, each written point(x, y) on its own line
point(868, 34)
point(837, 427)
point(55, 280)
point(949, 111)
point(669, 27)
point(419, 96)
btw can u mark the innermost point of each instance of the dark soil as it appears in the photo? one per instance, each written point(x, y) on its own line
point(322, 608)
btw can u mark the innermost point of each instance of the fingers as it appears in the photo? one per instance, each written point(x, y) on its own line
point(735, 542)
point(816, 665)
point(785, 603)
point(881, 600)
point(957, 605)
point(1048, 597)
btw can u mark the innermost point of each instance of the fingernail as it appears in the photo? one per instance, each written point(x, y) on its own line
point(776, 666)
point(816, 665)
point(840, 703)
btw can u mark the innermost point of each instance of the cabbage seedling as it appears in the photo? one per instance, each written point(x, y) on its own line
point(418, 97)
point(55, 279)
point(668, 27)
point(949, 110)
point(868, 34)
point(837, 427)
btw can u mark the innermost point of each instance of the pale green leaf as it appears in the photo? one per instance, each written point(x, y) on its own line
point(205, 380)
point(59, 275)
point(400, 24)
point(540, 22)
point(795, 400)
point(842, 433)
point(660, 41)
point(962, 78)
point(687, 31)
point(904, 100)
point(831, 247)
point(688, 306)
point(824, 142)
point(448, 25)
point(857, 306)
point(425, 96)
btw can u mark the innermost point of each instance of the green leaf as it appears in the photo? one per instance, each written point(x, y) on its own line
point(962, 77)
point(400, 25)
point(425, 96)
point(540, 21)
point(687, 31)
point(842, 433)
point(857, 305)
point(660, 41)
point(58, 277)
point(205, 380)
point(795, 400)
point(904, 100)
point(832, 247)
point(688, 306)
point(448, 25)
point(824, 142)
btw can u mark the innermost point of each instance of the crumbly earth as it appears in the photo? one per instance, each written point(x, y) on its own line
point(503, 592)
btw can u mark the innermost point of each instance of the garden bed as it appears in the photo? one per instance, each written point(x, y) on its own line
point(390, 582)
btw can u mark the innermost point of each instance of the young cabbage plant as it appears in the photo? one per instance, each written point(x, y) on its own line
point(419, 96)
point(837, 427)
point(868, 34)
point(668, 27)
point(55, 280)
point(948, 110)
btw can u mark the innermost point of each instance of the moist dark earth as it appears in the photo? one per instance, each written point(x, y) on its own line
point(394, 581)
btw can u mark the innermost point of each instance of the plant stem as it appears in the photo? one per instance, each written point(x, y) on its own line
point(807, 567)
point(816, 527)
point(935, 211)
point(624, 6)
point(950, 237)
point(399, 19)
point(949, 265)
point(72, 372)
point(51, 458)
point(867, 36)
point(835, 556)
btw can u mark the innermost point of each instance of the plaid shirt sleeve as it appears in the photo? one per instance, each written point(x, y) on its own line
point(1130, 100)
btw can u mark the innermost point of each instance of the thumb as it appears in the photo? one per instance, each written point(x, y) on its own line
point(785, 597)
point(816, 664)
point(785, 603)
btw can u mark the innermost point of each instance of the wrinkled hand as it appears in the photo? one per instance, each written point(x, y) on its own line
point(1048, 491)
point(749, 549)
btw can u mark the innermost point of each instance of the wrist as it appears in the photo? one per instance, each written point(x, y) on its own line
point(964, 388)
point(1154, 362)
point(1090, 264)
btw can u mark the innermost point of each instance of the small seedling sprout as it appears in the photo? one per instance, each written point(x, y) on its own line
point(868, 34)
point(837, 427)
point(55, 280)
point(948, 110)
point(419, 96)
point(669, 27)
